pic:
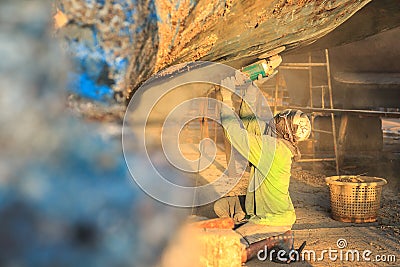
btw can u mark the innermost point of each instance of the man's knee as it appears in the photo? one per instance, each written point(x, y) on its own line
point(229, 207)
point(221, 208)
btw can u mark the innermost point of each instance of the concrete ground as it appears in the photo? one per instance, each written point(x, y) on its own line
point(315, 226)
point(310, 196)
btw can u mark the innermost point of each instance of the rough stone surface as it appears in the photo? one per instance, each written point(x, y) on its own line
point(66, 198)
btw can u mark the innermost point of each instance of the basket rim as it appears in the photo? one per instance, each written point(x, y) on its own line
point(332, 180)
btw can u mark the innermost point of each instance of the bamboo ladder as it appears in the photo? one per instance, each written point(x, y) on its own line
point(328, 86)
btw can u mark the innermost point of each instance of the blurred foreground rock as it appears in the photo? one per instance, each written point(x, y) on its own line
point(205, 244)
point(66, 198)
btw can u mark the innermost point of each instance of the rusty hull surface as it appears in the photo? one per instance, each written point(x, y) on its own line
point(152, 35)
point(233, 30)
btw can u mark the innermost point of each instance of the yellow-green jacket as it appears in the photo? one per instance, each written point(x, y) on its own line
point(271, 160)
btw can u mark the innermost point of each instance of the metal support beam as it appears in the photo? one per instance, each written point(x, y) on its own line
point(328, 72)
point(304, 65)
point(367, 113)
point(342, 138)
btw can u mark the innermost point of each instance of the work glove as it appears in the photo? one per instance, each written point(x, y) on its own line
point(239, 84)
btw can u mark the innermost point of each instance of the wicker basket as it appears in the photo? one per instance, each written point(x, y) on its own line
point(355, 198)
